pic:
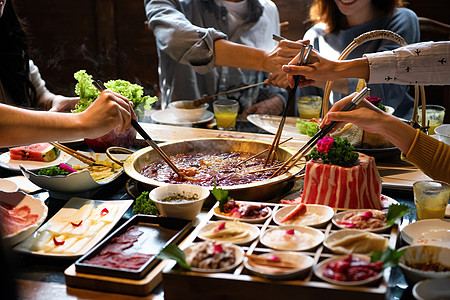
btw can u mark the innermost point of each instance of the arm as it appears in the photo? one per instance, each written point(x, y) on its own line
point(52, 102)
point(21, 126)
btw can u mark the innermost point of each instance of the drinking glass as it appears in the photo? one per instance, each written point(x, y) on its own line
point(309, 107)
point(434, 114)
point(225, 112)
point(431, 199)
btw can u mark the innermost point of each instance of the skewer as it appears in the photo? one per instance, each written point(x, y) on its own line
point(84, 158)
point(99, 85)
point(257, 154)
point(302, 60)
point(269, 169)
point(319, 135)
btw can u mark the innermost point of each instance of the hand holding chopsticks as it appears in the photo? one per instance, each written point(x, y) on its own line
point(319, 135)
point(99, 85)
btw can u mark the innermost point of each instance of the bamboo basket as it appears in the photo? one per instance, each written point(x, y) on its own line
point(419, 91)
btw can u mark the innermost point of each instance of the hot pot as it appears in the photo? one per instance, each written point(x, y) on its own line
point(255, 191)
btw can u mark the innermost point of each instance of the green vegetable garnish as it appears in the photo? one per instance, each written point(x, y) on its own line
point(144, 205)
point(221, 195)
point(395, 211)
point(335, 152)
point(133, 92)
point(307, 127)
point(52, 171)
point(172, 251)
point(388, 257)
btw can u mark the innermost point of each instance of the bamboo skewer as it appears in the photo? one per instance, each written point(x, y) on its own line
point(84, 158)
point(319, 135)
point(259, 153)
point(99, 85)
point(302, 60)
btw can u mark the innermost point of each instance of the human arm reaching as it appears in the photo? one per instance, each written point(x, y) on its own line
point(21, 126)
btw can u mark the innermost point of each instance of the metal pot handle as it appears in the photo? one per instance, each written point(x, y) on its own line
point(118, 149)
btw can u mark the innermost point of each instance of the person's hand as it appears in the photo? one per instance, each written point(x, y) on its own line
point(110, 110)
point(271, 106)
point(63, 104)
point(281, 55)
point(277, 79)
point(366, 116)
point(317, 69)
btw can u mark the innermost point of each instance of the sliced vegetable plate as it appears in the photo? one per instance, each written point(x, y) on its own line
point(75, 228)
point(315, 215)
point(229, 216)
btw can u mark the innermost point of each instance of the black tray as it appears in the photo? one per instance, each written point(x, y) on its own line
point(158, 232)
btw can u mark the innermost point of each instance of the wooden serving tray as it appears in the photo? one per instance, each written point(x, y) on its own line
point(242, 284)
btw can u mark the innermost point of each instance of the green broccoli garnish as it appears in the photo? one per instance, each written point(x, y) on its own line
point(144, 205)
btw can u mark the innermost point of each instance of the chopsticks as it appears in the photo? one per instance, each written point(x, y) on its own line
point(80, 156)
point(259, 153)
point(99, 85)
point(302, 60)
point(319, 135)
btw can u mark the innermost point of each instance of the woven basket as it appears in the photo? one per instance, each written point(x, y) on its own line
point(370, 36)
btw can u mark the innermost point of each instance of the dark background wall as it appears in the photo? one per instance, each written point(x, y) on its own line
point(108, 38)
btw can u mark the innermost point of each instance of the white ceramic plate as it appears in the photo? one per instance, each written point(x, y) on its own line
point(77, 182)
point(308, 238)
point(247, 220)
point(251, 230)
point(13, 165)
point(316, 215)
point(431, 289)
point(430, 232)
point(389, 109)
point(321, 266)
point(348, 233)
point(270, 123)
point(8, 186)
point(68, 210)
point(36, 205)
point(167, 117)
point(338, 218)
point(304, 262)
point(239, 256)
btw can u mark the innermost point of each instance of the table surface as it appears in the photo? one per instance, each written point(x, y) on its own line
point(42, 277)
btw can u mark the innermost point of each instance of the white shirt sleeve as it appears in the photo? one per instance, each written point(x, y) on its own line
point(425, 63)
point(36, 80)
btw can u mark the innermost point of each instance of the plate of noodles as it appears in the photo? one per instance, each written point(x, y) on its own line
point(84, 179)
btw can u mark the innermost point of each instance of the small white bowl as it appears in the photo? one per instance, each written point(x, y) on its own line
point(310, 238)
point(424, 254)
point(321, 266)
point(316, 215)
point(431, 289)
point(443, 133)
point(251, 231)
point(185, 210)
point(36, 205)
point(304, 262)
point(187, 114)
point(238, 255)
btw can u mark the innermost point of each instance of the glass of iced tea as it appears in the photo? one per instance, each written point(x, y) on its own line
point(431, 198)
point(435, 116)
point(309, 107)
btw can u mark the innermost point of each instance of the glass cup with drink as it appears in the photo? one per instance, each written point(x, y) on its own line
point(309, 107)
point(225, 112)
point(435, 116)
point(431, 198)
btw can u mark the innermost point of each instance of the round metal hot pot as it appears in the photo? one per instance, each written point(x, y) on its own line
point(256, 191)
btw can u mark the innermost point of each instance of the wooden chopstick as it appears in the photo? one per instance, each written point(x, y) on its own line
point(100, 87)
point(259, 153)
point(302, 60)
point(272, 263)
point(84, 158)
point(319, 135)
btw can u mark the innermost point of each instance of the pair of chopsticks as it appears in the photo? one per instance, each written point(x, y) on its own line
point(100, 87)
point(319, 135)
point(302, 60)
point(259, 153)
point(80, 156)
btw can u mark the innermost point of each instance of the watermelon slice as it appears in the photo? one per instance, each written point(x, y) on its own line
point(37, 152)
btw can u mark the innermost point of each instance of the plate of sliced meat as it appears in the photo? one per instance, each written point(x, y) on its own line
point(21, 215)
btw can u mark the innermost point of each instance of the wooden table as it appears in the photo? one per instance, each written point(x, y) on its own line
point(43, 278)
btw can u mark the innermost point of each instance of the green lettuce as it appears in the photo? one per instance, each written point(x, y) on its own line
point(133, 92)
